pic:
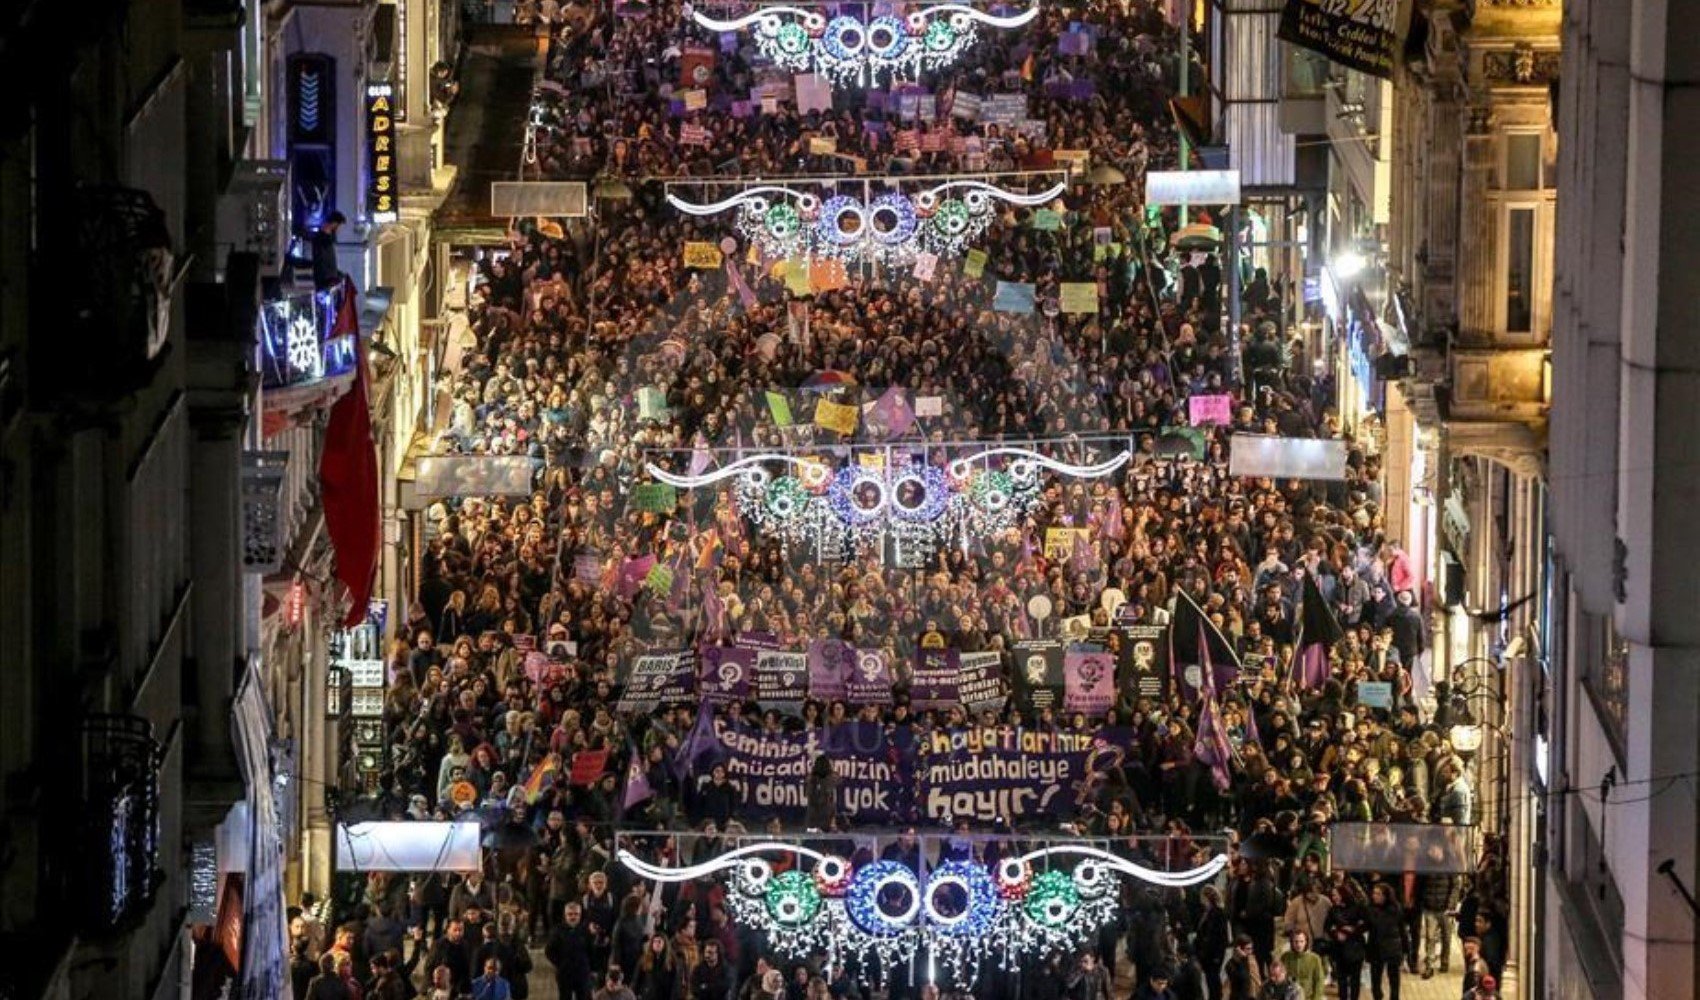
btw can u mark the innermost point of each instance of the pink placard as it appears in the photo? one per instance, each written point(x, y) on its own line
point(1210, 410)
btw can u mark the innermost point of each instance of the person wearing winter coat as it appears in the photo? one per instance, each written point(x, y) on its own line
point(1385, 920)
point(1303, 966)
point(1307, 911)
point(1346, 927)
point(1245, 979)
point(1278, 986)
point(1090, 980)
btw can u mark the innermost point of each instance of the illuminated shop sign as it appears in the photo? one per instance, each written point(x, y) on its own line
point(380, 141)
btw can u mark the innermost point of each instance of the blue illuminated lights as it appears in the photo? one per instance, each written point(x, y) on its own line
point(969, 917)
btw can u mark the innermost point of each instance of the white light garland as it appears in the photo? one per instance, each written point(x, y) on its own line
point(1011, 915)
point(888, 228)
point(847, 49)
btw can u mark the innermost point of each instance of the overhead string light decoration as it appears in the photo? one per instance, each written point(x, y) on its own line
point(925, 505)
point(888, 227)
point(879, 915)
point(865, 50)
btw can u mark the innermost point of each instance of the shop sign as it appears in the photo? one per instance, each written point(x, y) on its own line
point(382, 198)
point(1192, 187)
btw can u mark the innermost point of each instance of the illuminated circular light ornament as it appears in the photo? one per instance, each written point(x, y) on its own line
point(832, 227)
point(981, 908)
point(1014, 878)
point(887, 37)
point(845, 496)
point(892, 218)
point(786, 498)
point(1093, 880)
point(792, 41)
point(1052, 900)
point(845, 37)
point(793, 899)
point(934, 495)
point(992, 492)
point(752, 876)
point(862, 901)
point(782, 221)
point(832, 876)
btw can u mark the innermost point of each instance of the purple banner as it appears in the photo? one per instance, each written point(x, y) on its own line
point(872, 682)
point(659, 679)
point(770, 772)
point(1089, 682)
point(980, 683)
point(934, 684)
point(782, 680)
point(992, 773)
point(831, 662)
point(725, 674)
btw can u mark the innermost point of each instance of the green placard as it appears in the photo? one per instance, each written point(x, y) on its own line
point(780, 407)
point(658, 498)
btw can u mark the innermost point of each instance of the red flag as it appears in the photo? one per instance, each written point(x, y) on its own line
point(348, 475)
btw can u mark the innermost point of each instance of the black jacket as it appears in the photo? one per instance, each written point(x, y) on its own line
point(568, 950)
point(1386, 931)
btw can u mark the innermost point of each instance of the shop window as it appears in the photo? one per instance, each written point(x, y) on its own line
point(1520, 271)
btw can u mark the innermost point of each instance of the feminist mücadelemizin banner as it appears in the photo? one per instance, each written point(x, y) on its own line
point(1089, 681)
point(985, 774)
point(770, 771)
point(870, 683)
point(725, 674)
point(661, 679)
point(1359, 34)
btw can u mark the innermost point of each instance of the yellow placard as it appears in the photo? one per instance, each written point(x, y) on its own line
point(974, 265)
point(797, 276)
point(1059, 542)
point(840, 417)
point(1079, 297)
point(705, 256)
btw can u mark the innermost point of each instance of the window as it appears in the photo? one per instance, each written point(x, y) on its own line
point(1520, 271)
point(1523, 162)
point(1605, 676)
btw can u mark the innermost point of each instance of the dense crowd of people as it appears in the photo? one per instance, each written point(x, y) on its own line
point(569, 325)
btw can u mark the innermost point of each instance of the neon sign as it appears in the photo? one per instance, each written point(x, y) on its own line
point(382, 197)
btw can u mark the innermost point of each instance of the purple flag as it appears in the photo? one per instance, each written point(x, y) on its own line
point(1211, 746)
point(1080, 560)
point(700, 459)
point(893, 412)
point(1115, 528)
point(701, 740)
point(637, 782)
point(713, 608)
point(735, 275)
point(632, 574)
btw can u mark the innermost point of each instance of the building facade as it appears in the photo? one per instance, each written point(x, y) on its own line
point(166, 618)
point(1466, 321)
point(1620, 836)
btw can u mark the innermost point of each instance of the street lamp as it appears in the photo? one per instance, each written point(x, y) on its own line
point(1466, 738)
point(1349, 264)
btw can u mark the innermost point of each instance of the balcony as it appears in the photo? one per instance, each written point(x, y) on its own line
point(1502, 384)
point(253, 213)
point(118, 838)
point(264, 537)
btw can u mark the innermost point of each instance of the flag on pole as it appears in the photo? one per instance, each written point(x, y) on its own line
point(700, 741)
point(1194, 640)
point(637, 782)
point(540, 777)
point(1316, 634)
point(1211, 746)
